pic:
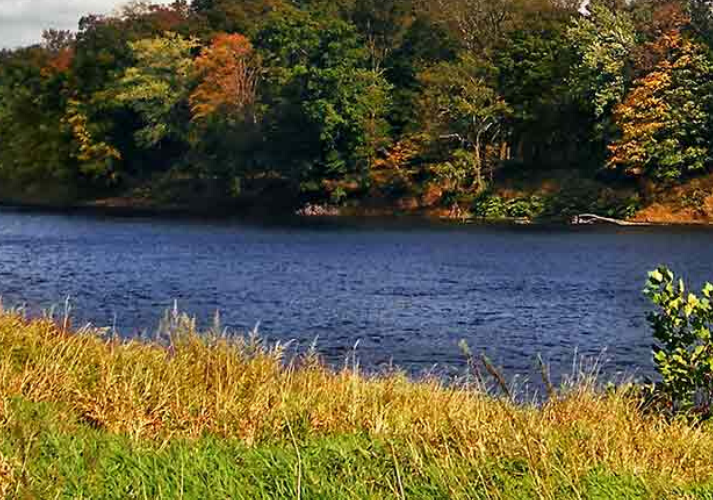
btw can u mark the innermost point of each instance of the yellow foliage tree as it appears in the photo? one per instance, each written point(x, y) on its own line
point(96, 157)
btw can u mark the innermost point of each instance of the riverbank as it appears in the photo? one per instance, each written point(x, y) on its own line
point(544, 197)
point(658, 214)
point(203, 416)
point(128, 207)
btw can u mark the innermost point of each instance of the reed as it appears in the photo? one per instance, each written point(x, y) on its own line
point(187, 390)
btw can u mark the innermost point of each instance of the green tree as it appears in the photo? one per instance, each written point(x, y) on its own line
point(35, 145)
point(424, 44)
point(101, 53)
point(324, 100)
point(604, 42)
point(665, 121)
point(701, 15)
point(348, 107)
point(383, 24)
point(231, 16)
point(460, 106)
point(548, 127)
point(157, 87)
point(482, 25)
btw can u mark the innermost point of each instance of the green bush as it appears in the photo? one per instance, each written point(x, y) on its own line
point(489, 206)
point(684, 351)
point(338, 196)
point(561, 205)
point(457, 175)
point(492, 206)
point(628, 208)
point(695, 200)
point(530, 207)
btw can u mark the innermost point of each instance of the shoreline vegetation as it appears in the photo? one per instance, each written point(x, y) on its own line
point(455, 109)
point(126, 207)
point(206, 417)
point(209, 415)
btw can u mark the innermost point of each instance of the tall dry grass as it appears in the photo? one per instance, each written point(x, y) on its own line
point(191, 385)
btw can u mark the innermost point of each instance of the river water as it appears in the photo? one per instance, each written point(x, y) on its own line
point(403, 292)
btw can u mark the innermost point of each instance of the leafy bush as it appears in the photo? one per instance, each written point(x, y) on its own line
point(457, 176)
point(338, 196)
point(695, 200)
point(489, 206)
point(684, 351)
point(561, 205)
point(568, 202)
point(530, 207)
point(492, 206)
point(628, 208)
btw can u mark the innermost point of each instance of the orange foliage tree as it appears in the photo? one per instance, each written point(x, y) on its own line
point(59, 46)
point(229, 71)
point(667, 20)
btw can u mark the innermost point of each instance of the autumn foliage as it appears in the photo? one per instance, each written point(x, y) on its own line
point(297, 96)
point(668, 20)
point(62, 61)
point(96, 157)
point(59, 46)
point(229, 72)
point(663, 120)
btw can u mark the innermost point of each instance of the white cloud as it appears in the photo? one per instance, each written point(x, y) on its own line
point(22, 21)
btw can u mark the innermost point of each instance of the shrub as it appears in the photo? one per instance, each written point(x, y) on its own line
point(695, 200)
point(530, 207)
point(683, 353)
point(492, 206)
point(338, 196)
point(459, 175)
point(628, 207)
point(489, 206)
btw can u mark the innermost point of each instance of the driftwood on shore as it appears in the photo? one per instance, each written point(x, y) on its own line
point(586, 219)
point(311, 210)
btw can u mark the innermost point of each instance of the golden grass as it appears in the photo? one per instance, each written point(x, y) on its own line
point(197, 385)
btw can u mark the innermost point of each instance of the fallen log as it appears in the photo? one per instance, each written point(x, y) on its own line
point(586, 219)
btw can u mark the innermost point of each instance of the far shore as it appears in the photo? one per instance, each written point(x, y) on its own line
point(133, 207)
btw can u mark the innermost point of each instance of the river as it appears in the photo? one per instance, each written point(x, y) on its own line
point(403, 292)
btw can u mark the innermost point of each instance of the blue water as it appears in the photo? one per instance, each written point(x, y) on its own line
point(407, 292)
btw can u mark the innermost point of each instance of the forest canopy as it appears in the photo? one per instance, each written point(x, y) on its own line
point(328, 101)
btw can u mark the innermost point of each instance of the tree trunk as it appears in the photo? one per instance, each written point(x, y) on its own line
point(478, 166)
point(504, 151)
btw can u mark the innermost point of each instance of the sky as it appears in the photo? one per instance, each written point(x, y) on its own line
point(22, 21)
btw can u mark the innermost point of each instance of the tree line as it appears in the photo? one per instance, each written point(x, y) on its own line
point(332, 100)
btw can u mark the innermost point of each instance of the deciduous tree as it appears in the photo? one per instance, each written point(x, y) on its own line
point(320, 80)
point(665, 121)
point(157, 87)
point(604, 42)
point(229, 72)
point(96, 158)
point(459, 105)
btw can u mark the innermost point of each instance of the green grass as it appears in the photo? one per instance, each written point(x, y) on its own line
point(55, 456)
point(200, 417)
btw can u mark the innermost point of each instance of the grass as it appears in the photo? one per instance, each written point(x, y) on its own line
point(206, 416)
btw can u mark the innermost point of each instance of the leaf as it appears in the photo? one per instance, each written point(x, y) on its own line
point(656, 277)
